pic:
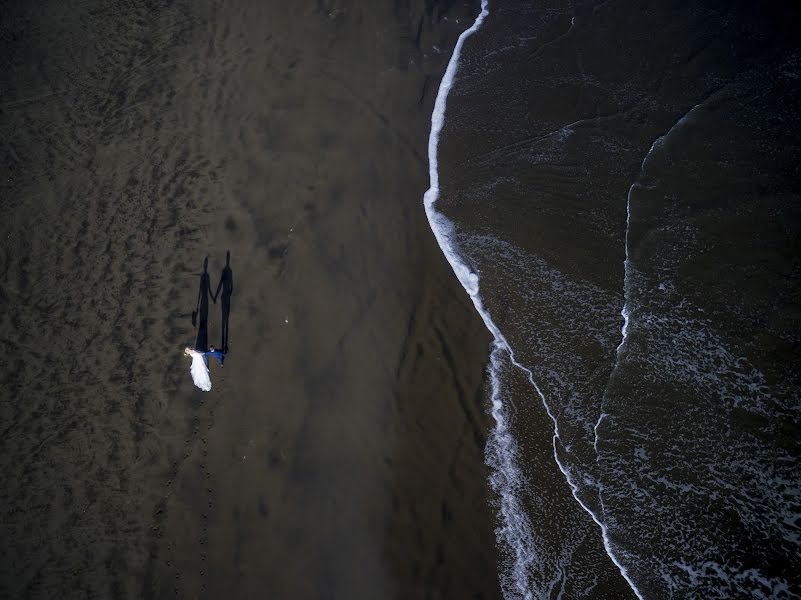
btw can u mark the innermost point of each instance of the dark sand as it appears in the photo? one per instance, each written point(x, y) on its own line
point(340, 452)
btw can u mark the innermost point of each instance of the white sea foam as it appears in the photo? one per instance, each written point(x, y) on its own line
point(515, 532)
point(626, 310)
point(656, 468)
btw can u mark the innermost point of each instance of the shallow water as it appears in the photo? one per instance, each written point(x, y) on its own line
point(623, 184)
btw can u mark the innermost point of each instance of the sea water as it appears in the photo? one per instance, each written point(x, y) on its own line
point(617, 188)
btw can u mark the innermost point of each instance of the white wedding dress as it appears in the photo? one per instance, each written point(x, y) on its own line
point(199, 370)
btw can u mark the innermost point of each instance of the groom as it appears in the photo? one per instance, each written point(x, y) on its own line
point(218, 355)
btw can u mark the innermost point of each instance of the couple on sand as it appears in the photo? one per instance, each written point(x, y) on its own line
point(200, 316)
point(200, 367)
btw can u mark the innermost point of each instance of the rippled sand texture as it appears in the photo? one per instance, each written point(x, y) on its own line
point(340, 452)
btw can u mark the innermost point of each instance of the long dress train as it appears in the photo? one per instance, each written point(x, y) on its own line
point(199, 370)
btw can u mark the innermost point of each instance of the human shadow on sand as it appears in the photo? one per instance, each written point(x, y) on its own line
point(226, 285)
point(200, 316)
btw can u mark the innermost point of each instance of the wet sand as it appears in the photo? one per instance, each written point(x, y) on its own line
point(340, 452)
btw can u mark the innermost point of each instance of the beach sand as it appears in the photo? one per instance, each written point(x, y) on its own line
point(340, 451)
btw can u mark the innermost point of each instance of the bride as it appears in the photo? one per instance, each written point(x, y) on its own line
point(199, 369)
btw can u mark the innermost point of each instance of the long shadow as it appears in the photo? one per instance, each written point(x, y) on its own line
point(202, 311)
point(227, 286)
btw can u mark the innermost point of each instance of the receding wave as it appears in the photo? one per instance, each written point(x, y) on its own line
point(674, 198)
point(515, 532)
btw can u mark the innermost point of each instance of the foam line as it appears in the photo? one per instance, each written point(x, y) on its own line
point(505, 480)
point(595, 429)
point(444, 230)
point(626, 314)
point(626, 311)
